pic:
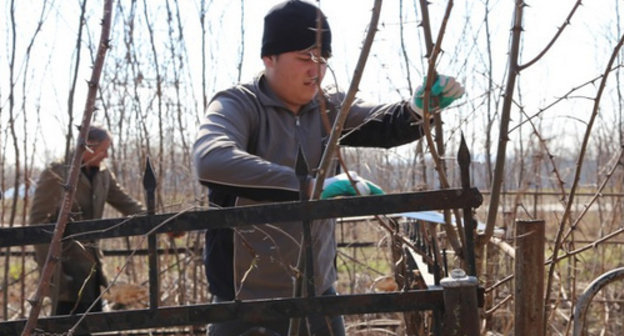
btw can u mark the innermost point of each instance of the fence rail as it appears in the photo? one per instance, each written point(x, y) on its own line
point(450, 297)
point(251, 311)
point(247, 215)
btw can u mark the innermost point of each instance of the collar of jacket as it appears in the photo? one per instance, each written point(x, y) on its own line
point(268, 98)
point(102, 165)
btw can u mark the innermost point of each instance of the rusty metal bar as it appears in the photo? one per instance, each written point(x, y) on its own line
point(179, 250)
point(198, 330)
point(552, 193)
point(529, 286)
point(149, 184)
point(461, 313)
point(250, 311)
point(586, 298)
point(305, 264)
point(307, 254)
point(463, 159)
point(247, 215)
point(186, 250)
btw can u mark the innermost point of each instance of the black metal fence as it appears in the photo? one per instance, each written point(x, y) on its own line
point(458, 293)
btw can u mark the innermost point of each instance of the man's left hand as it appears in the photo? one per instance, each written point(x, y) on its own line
point(444, 91)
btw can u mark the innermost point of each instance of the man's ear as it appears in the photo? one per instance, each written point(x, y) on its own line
point(269, 61)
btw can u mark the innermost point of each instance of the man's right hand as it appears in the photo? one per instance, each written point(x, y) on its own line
point(340, 185)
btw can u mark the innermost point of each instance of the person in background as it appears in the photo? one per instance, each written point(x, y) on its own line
point(77, 285)
point(246, 150)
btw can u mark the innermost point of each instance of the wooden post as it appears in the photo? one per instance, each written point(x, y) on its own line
point(529, 280)
point(461, 311)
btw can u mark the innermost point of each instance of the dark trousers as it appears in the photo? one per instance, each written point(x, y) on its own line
point(70, 307)
point(319, 325)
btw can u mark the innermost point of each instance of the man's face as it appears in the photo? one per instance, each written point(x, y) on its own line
point(294, 75)
point(98, 153)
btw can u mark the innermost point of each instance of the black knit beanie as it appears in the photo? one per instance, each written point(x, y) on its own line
point(291, 26)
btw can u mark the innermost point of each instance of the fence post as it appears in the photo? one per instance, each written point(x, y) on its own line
point(463, 159)
point(529, 280)
point(461, 311)
point(149, 184)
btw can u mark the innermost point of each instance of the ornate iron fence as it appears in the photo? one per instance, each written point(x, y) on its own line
point(453, 300)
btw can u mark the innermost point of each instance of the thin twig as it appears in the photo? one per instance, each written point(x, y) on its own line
point(566, 96)
point(433, 51)
point(159, 99)
point(552, 42)
point(597, 194)
point(127, 262)
point(494, 308)
point(16, 180)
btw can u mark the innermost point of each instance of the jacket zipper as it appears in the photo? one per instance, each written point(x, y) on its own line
point(298, 133)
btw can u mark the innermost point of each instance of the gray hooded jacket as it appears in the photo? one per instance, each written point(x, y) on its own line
point(246, 149)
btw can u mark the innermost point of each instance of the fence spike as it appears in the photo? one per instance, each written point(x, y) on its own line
point(149, 178)
point(463, 154)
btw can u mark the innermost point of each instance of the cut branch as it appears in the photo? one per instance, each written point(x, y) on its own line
point(499, 167)
point(72, 179)
point(332, 144)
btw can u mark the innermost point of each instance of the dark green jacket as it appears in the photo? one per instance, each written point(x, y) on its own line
point(80, 259)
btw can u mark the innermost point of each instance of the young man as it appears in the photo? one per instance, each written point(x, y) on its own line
point(246, 151)
point(81, 272)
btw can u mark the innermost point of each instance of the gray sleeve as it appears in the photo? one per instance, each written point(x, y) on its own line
point(221, 154)
point(378, 125)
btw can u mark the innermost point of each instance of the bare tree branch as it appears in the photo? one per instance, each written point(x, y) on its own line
point(432, 53)
point(54, 252)
point(577, 174)
point(332, 144)
point(72, 90)
point(159, 99)
point(15, 148)
point(554, 39)
point(499, 170)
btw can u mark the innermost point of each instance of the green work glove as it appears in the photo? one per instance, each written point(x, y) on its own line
point(444, 91)
point(340, 185)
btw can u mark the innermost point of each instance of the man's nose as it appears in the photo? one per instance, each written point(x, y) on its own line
point(314, 70)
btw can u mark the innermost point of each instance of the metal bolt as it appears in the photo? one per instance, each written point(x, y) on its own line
point(458, 278)
point(458, 273)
